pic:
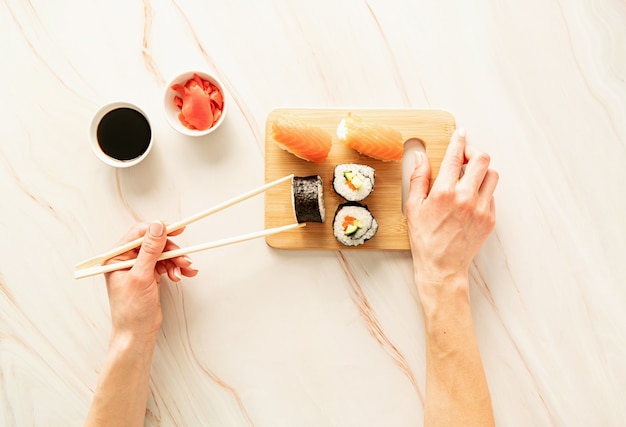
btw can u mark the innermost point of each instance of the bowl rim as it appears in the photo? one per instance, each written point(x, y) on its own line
point(171, 112)
point(93, 139)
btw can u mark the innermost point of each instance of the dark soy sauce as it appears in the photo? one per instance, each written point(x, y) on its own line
point(124, 134)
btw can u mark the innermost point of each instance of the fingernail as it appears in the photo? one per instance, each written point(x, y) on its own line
point(462, 132)
point(186, 258)
point(156, 229)
point(177, 273)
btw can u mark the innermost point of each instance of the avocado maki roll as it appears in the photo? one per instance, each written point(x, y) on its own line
point(353, 182)
point(308, 198)
point(354, 224)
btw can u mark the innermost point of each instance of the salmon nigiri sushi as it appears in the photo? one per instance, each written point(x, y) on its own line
point(371, 139)
point(302, 139)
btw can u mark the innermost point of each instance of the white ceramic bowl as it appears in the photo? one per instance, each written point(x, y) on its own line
point(93, 135)
point(172, 112)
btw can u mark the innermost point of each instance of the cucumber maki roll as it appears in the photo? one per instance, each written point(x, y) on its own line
point(354, 224)
point(308, 198)
point(353, 182)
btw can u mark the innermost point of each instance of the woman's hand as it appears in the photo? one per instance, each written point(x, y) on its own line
point(449, 223)
point(122, 390)
point(447, 227)
point(134, 296)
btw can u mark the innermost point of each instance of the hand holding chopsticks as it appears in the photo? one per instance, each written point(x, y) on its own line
point(93, 265)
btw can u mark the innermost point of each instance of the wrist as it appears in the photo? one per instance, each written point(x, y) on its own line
point(138, 330)
point(442, 294)
point(122, 341)
point(425, 274)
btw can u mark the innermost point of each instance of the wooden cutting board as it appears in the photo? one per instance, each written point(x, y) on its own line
point(432, 127)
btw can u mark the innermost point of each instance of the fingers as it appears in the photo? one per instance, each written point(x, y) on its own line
point(173, 271)
point(176, 232)
point(486, 202)
point(189, 272)
point(139, 230)
point(152, 247)
point(177, 267)
point(160, 268)
point(153, 244)
point(453, 160)
point(420, 178)
point(479, 180)
point(476, 169)
point(489, 183)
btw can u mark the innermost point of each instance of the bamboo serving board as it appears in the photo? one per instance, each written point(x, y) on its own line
point(432, 127)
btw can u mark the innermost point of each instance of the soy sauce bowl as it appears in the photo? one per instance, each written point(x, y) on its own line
point(120, 134)
point(172, 112)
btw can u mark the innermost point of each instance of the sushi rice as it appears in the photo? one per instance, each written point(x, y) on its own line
point(354, 213)
point(353, 182)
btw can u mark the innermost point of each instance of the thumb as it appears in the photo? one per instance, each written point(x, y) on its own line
point(151, 249)
point(420, 178)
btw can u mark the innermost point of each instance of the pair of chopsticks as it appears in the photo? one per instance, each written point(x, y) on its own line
point(93, 266)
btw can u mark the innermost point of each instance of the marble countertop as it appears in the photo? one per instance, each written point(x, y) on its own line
point(265, 337)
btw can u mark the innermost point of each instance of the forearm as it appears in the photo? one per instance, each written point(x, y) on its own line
point(456, 388)
point(121, 394)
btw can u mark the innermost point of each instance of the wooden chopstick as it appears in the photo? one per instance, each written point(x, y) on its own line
point(99, 259)
point(121, 265)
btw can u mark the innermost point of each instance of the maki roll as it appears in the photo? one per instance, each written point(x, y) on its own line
point(353, 182)
point(354, 224)
point(308, 198)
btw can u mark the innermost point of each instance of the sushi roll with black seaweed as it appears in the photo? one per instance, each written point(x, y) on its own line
point(354, 224)
point(353, 182)
point(308, 198)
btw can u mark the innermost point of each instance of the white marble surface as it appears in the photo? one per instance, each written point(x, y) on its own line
point(277, 338)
